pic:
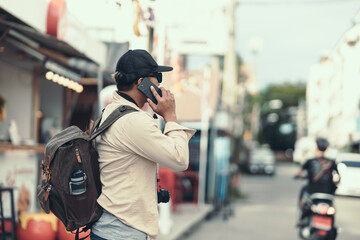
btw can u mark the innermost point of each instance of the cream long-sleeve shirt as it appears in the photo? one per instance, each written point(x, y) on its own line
point(129, 152)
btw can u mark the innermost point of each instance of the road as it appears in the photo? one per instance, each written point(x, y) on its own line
point(268, 212)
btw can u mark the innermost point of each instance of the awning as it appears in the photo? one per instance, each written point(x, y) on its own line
point(45, 47)
point(37, 39)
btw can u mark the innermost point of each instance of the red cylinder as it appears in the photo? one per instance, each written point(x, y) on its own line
point(36, 226)
point(7, 226)
point(167, 181)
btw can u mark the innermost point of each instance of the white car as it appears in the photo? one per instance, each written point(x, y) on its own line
point(262, 160)
point(349, 168)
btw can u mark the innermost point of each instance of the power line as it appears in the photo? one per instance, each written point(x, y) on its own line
point(288, 2)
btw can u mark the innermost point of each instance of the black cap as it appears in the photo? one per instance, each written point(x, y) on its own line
point(135, 64)
point(322, 144)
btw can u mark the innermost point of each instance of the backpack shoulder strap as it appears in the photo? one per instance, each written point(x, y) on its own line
point(96, 124)
point(113, 117)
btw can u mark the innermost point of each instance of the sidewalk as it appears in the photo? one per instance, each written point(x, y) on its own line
point(185, 217)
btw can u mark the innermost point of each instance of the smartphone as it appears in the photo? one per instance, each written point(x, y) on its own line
point(144, 87)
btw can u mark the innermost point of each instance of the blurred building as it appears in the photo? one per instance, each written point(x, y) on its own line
point(301, 120)
point(54, 63)
point(44, 55)
point(197, 40)
point(205, 81)
point(131, 22)
point(248, 80)
point(48, 66)
point(333, 91)
point(318, 96)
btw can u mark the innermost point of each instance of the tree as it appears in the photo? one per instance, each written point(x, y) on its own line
point(288, 93)
point(278, 124)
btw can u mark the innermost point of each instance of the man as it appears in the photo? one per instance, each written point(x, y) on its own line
point(131, 149)
point(319, 173)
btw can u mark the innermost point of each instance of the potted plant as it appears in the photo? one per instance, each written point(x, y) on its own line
point(2, 108)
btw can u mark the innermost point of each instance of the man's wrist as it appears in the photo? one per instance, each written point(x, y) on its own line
point(170, 118)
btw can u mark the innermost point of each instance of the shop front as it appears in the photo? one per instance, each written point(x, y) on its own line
point(42, 78)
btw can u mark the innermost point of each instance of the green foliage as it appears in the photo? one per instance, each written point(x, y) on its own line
point(255, 99)
point(288, 93)
point(2, 101)
point(239, 59)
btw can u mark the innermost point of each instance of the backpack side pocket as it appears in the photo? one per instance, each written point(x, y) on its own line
point(43, 196)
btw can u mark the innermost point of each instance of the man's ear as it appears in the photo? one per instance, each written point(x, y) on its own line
point(139, 81)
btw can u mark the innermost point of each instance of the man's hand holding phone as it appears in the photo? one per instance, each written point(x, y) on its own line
point(165, 106)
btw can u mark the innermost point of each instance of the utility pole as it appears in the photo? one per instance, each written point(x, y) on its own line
point(230, 78)
point(204, 137)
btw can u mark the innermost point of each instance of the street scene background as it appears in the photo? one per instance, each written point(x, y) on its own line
point(267, 211)
point(259, 80)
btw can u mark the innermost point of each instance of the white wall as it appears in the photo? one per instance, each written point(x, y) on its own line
point(113, 23)
point(33, 12)
point(51, 104)
point(194, 27)
point(16, 87)
point(333, 105)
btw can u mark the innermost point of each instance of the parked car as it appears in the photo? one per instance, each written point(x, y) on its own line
point(349, 168)
point(261, 160)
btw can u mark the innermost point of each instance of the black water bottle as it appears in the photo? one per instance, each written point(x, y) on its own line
point(77, 183)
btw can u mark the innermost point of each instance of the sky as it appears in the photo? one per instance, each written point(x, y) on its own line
point(293, 33)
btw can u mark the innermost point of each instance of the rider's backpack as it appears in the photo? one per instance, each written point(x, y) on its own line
point(71, 184)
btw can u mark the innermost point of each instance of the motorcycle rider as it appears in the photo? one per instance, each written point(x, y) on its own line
point(320, 172)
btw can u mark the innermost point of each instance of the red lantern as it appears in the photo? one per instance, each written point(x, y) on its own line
point(62, 234)
point(36, 226)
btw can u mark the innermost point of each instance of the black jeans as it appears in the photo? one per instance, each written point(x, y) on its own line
point(93, 236)
point(303, 198)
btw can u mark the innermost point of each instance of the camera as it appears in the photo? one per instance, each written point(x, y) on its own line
point(163, 196)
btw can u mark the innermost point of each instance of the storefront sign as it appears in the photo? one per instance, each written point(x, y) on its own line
point(19, 169)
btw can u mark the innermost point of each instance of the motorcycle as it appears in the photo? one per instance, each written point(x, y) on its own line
point(319, 220)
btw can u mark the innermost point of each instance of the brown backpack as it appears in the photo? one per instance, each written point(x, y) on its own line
point(71, 184)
